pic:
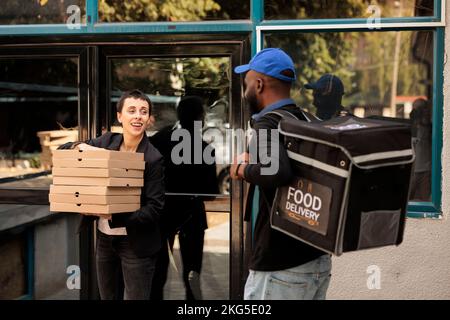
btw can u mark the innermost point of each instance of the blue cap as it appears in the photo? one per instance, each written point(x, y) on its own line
point(271, 62)
point(328, 84)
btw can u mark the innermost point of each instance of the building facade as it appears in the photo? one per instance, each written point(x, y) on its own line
point(63, 65)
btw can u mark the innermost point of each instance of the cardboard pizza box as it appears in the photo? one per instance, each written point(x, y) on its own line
point(93, 199)
point(105, 182)
point(59, 141)
point(46, 151)
point(93, 208)
point(97, 163)
point(57, 133)
point(97, 172)
point(95, 190)
point(98, 154)
point(44, 157)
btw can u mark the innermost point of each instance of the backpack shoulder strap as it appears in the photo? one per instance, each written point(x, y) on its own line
point(286, 114)
point(310, 117)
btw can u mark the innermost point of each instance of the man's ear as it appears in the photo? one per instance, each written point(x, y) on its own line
point(259, 85)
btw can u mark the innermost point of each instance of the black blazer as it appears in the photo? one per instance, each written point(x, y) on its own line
point(143, 225)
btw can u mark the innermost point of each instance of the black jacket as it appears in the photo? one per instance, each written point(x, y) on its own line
point(273, 250)
point(193, 180)
point(143, 225)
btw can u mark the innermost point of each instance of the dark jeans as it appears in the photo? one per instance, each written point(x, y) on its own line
point(115, 261)
point(191, 248)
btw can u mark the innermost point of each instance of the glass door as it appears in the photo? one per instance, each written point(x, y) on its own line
point(42, 105)
point(196, 104)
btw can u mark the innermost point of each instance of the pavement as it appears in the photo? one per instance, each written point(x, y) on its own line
point(214, 278)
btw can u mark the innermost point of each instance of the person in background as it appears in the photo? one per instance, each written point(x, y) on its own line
point(184, 213)
point(422, 138)
point(328, 92)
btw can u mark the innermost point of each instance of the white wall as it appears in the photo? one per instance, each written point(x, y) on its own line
point(420, 267)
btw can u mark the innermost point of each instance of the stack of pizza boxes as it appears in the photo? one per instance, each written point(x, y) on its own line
point(100, 182)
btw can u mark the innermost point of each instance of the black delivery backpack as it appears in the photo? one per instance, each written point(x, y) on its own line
point(351, 184)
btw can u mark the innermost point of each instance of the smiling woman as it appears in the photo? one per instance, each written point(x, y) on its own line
point(130, 240)
point(134, 115)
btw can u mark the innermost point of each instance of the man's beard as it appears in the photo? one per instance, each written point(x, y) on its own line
point(252, 104)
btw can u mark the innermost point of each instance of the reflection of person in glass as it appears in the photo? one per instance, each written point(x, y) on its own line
point(422, 133)
point(127, 243)
point(328, 92)
point(193, 182)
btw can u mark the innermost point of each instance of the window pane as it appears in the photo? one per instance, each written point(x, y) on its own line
point(38, 112)
point(42, 11)
point(384, 74)
point(326, 9)
point(194, 206)
point(167, 81)
point(168, 10)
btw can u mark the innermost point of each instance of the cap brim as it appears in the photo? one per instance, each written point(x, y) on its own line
point(242, 69)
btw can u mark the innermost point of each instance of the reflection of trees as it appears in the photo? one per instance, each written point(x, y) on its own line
point(364, 61)
point(316, 54)
point(54, 11)
point(318, 9)
point(37, 11)
point(174, 76)
point(51, 72)
point(372, 83)
point(172, 10)
point(330, 9)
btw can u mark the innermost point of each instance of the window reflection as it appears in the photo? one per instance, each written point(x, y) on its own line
point(174, 11)
point(38, 112)
point(167, 81)
point(41, 11)
point(384, 74)
point(189, 95)
point(326, 9)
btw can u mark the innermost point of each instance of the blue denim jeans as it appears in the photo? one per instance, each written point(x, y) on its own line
point(308, 281)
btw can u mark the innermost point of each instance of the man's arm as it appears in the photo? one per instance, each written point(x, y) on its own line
point(253, 172)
